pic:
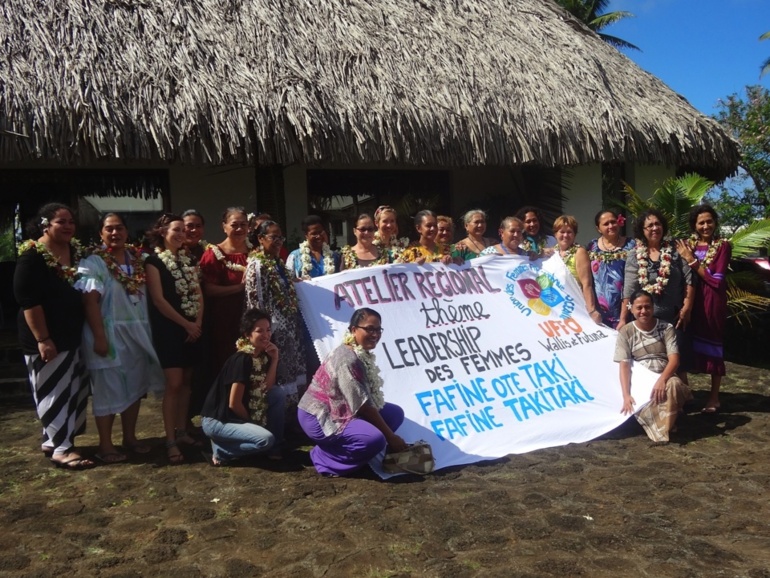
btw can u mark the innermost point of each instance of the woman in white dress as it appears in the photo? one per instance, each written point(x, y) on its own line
point(117, 344)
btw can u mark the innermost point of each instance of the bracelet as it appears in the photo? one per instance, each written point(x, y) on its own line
point(592, 311)
point(44, 339)
point(693, 262)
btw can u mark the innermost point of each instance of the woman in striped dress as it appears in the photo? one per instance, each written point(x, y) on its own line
point(50, 328)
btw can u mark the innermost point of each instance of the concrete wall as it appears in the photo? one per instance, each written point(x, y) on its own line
point(583, 194)
point(646, 178)
point(210, 191)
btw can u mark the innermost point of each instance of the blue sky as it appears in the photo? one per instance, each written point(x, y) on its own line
point(703, 49)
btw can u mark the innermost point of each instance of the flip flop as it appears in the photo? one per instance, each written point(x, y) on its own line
point(710, 409)
point(76, 463)
point(111, 457)
point(139, 448)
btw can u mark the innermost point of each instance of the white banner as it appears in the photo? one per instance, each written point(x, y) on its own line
point(494, 357)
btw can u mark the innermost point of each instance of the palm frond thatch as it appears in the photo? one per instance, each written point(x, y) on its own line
point(275, 82)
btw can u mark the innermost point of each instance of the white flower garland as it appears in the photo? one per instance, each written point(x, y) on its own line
point(396, 246)
point(372, 371)
point(307, 264)
point(643, 259)
point(185, 279)
point(220, 256)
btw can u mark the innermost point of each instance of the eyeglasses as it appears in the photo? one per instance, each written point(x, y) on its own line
point(371, 330)
point(366, 229)
point(276, 238)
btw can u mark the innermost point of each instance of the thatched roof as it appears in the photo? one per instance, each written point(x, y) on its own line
point(435, 82)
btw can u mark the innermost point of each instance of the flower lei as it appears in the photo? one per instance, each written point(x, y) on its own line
point(608, 256)
point(570, 253)
point(185, 279)
point(372, 371)
point(131, 283)
point(643, 258)
point(220, 256)
point(350, 259)
point(395, 242)
point(67, 273)
point(714, 246)
point(257, 394)
point(307, 264)
point(284, 296)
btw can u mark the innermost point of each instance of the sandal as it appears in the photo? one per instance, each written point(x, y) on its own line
point(175, 455)
point(184, 438)
point(140, 448)
point(75, 462)
point(111, 457)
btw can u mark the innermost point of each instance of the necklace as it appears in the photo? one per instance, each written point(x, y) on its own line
point(711, 252)
point(373, 377)
point(351, 260)
point(257, 393)
point(307, 262)
point(394, 246)
point(220, 256)
point(476, 245)
point(643, 258)
point(617, 253)
point(282, 293)
point(185, 276)
point(65, 272)
point(132, 281)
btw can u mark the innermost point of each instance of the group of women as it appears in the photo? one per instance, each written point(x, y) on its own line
point(149, 322)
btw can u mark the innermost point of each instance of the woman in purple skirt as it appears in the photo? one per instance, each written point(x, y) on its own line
point(343, 410)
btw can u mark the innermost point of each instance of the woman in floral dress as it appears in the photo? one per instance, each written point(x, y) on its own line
point(608, 254)
point(270, 287)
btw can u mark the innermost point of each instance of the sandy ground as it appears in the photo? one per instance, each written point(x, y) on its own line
point(616, 506)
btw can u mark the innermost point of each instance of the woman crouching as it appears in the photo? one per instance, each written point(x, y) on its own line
point(343, 410)
point(652, 343)
point(243, 413)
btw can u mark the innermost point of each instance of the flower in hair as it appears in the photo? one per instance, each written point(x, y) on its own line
point(44, 221)
point(621, 220)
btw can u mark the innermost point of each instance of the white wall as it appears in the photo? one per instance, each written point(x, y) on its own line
point(646, 178)
point(211, 191)
point(295, 187)
point(584, 199)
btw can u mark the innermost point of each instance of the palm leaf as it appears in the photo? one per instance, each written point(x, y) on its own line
point(618, 42)
point(742, 304)
point(747, 240)
point(607, 19)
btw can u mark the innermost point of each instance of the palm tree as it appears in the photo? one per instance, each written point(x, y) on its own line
point(589, 12)
point(766, 64)
point(674, 198)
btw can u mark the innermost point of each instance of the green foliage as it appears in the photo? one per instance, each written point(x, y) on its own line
point(590, 13)
point(7, 245)
point(748, 121)
point(674, 198)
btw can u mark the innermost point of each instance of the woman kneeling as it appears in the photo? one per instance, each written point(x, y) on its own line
point(343, 409)
point(652, 343)
point(244, 413)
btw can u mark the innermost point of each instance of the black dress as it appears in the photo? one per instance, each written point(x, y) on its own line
point(167, 336)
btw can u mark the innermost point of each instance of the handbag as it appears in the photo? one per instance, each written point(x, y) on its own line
point(415, 459)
